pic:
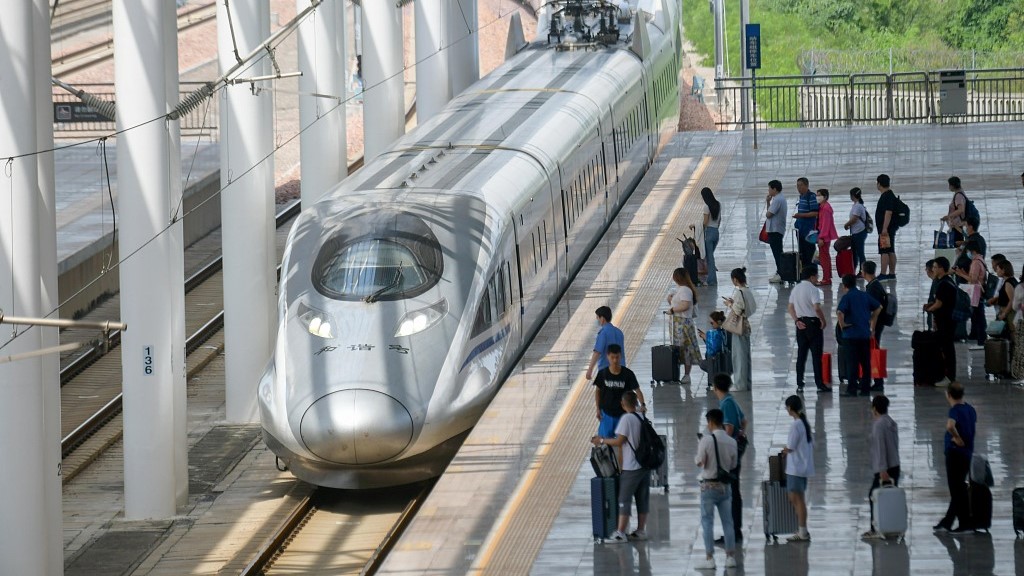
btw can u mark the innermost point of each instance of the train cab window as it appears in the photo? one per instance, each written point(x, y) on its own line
point(386, 255)
point(484, 314)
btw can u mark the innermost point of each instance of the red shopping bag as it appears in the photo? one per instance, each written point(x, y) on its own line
point(879, 357)
point(826, 369)
point(763, 236)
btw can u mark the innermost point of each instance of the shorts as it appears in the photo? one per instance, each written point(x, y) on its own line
point(606, 429)
point(892, 243)
point(796, 484)
point(635, 483)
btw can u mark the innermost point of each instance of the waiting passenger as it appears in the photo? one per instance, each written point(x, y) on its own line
point(806, 216)
point(717, 455)
point(712, 219)
point(799, 464)
point(1004, 297)
point(635, 480)
point(1017, 364)
point(941, 309)
point(741, 304)
point(857, 315)
point(961, 422)
point(775, 225)
point(734, 423)
point(885, 453)
point(714, 345)
point(826, 235)
point(805, 310)
point(858, 225)
point(682, 305)
point(606, 334)
point(885, 220)
point(609, 386)
point(957, 210)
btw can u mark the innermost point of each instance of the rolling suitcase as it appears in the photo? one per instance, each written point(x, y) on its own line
point(659, 477)
point(997, 356)
point(789, 268)
point(604, 506)
point(777, 468)
point(779, 514)
point(665, 359)
point(889, 504)
point(844, 263)
point(980, 498)
point(1018, 511)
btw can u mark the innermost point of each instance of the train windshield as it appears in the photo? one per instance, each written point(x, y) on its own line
point(385, 255)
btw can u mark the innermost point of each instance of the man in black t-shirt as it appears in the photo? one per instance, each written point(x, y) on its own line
point(609, 386)
point(885, 222)
point(942, 314)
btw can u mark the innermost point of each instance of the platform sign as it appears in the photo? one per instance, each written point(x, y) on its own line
point(752, 46)
point(77, 112)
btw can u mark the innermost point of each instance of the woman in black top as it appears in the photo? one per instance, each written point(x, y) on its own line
point(1004, 299)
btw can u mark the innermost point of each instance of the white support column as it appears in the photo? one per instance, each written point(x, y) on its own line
point(247, 209)
point(433, 87)
point(49, 299)
point(384, 85)
point(152, 261)
point(24, 532)
point(323, 145)
point(463, 41)
point(719, 19)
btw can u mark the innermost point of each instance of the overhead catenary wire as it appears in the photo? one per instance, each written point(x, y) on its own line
point(215, 86)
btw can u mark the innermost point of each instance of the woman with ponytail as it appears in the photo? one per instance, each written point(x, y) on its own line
point(799, 464)
point(858, 225)
point(682, 304)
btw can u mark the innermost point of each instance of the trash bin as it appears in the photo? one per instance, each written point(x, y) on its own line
point(952, 92)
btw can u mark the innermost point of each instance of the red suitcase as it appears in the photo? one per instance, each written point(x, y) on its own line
point(844, 263)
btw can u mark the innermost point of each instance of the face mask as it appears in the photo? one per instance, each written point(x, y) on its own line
point(970, 254)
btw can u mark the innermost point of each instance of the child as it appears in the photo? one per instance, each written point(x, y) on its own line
point(714, 339)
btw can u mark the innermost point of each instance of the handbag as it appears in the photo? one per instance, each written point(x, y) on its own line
point(737, 323)
point(843, 243)
point(763, 236)
point(974, 291)
point(722, 475)
point(942, 238)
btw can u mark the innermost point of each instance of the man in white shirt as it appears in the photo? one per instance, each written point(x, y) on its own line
point(805, 310)
point(716, 454)
point(635, 480)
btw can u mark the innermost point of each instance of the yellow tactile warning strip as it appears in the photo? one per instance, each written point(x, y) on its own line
point(522, 528)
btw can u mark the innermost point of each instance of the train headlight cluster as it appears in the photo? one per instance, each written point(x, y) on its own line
point(318, 323)
point(419, 320)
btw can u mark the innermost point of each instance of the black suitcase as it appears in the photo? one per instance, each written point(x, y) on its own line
point(789, 270)
point(997, 356)
point(1018, 511)
point(980, 498)
point(604, 506)
point(928, 368)
point(665, 358)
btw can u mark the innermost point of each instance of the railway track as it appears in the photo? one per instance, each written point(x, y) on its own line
point(103, 50)
point(339, 532)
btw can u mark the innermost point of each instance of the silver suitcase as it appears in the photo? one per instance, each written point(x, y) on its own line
point(889, 504)
point(779, 514)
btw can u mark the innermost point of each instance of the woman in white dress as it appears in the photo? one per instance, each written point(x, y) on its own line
point(682, 305)
point(742, 304)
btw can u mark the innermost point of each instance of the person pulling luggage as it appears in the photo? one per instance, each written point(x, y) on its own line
point(799, 464)
point(885, 454)
point(961, 422)
point(634, 480)
point(857, 315)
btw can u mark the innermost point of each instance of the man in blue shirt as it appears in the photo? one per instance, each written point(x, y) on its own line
point(606, 334)
point(960, 425)
point(806, 220)
point(857, 315)
point(734, 423)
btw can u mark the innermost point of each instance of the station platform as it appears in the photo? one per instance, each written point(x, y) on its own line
point(515, 500)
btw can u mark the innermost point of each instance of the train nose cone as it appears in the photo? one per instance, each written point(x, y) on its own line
point(356, 427)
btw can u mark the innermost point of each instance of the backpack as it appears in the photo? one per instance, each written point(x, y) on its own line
point(962, 309)
point(901, 214)
point(891, 307)
point(991, 281)
point(970, 210)
point(649, 449)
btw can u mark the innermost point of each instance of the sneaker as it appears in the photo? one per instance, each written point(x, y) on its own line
point(638, 535)
point(618, 536)
point(775, 279)
point(940, 528)
point(730, 561)
point(872, 535)
point(705, 564)
point(799, 538)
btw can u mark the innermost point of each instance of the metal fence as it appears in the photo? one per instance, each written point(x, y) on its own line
point(992, 95)
point(72, 119)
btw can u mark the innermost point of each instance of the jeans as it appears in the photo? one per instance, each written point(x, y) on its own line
point(741, 362)
point(893, 473)
point(858, 248)
point(958, 465)
point(859, 357)
point(710, 243)
point(978, 324)
point(775, 241)
point(716, 496)
point(810, 339)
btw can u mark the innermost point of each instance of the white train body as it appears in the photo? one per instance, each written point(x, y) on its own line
point(410, 290)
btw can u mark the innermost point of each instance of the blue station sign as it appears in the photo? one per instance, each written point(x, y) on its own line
point(752, 46)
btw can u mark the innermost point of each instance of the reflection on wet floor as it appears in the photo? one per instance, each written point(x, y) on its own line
point(919, 159)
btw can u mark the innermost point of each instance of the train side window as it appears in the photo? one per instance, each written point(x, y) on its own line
point(484, 314)
point(533, 238)
point(497, 303)
point(508, 277)
point(546, 255)
point(498, 283)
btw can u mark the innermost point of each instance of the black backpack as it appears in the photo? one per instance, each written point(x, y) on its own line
point(901, 214)
point(649, 449)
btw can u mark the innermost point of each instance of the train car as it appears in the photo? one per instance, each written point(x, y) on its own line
point(409, 292)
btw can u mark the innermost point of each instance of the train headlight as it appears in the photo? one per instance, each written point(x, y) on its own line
point(318, 323)
point(419, 320)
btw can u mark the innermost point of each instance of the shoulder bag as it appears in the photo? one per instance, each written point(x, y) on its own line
point(737, 323)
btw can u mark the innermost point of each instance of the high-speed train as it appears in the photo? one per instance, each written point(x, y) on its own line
point(409, 292)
